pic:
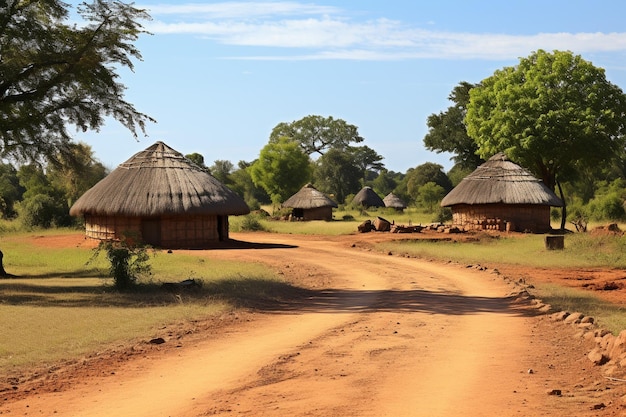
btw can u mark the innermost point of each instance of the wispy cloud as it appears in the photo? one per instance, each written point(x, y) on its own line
point(300, 31)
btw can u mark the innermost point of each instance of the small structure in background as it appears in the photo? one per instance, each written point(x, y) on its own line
point(393, 201)
point(368, 198)
point(310, 204)
point(161, 198)
point(501, 195)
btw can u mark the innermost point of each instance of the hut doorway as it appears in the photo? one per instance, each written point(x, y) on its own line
point(151, 231)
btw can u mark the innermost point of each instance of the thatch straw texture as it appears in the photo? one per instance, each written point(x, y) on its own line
point(500, 181)
point(368, 198)
point(155, 182)
point(393, 201)
point(308, 197)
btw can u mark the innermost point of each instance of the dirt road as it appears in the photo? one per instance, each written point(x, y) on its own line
point(381, 336)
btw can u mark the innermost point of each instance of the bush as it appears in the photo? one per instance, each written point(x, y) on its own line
point(128, 261)
point(607, 207)
point(251, 223)
point(42, 210)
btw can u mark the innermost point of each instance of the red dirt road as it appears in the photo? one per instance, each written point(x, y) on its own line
point(381, 336)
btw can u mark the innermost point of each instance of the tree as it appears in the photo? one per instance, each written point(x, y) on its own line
point(282, 168)
point(197, 159)
point(10, 190)
point(337, 175)
point(553, 113)
point(221, 169)
point(242, 184)
point(430, 194)
point(367, 160)
point(316, 134)
point(54, 75)
point(425, 173)
point(447, 131)
point(74, 172)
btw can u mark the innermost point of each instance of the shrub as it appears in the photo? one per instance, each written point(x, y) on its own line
point(128, 261)
point(42, 210)
point(251, 223)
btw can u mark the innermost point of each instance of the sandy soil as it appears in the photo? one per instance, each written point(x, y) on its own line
point(379, 335)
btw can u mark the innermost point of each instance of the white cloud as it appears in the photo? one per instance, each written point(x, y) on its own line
point(309, 32)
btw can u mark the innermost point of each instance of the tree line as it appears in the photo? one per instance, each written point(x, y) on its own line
point(554, 113)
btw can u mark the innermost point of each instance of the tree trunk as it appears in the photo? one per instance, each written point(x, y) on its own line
point(564, 209)
point(3, 273)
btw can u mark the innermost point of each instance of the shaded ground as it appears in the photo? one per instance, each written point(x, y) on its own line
point(375, 335)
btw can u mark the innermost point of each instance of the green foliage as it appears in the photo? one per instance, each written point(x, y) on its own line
point(607, 207)
point(430, 194)
point(337, 175)
point(447, 131)
point(282, 168)
point(553, 113)
point(128, 260)
point(317, 134)
point(423, 174)
point(10, 190)
point(74, 171)
point(250, 223)
point(57, 73)
point(42, 210)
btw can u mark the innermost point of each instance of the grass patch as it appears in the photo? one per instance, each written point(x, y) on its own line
point(581, 251)
point(60, 308)
point(344, 222)
point(607, 315)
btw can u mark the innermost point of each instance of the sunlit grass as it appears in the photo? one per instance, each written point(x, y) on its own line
point(581, 250)
point(606, 315)
point(62, 305)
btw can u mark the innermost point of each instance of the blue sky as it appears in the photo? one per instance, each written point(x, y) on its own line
point(218, 76)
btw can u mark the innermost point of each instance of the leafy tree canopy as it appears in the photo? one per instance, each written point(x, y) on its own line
point(317, 134)
point(553, 113)
point(282, 168)
point(447, 131)
point(337, 175)
point(53, 74)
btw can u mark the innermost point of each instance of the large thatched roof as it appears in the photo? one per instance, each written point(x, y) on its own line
point(159, 181)
point(393, 201)
point(308, 198)
point(368, 198)
point(501, 181)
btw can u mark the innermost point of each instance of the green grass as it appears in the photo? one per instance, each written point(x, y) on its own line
point(608, 316)
point(60, 307)
point(344, 221)
point(581, 251)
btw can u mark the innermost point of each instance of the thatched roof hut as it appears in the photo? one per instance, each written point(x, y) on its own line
point(393, 201)
point(310, 204)
point(500, 194)
point(368, 198)
point(163, 199)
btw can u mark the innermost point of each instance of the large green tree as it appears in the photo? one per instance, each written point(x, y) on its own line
point(282, 168)
point(447, 131)
point(336, 174)
point(55, 74)
point(316, 134)
point(554, 113)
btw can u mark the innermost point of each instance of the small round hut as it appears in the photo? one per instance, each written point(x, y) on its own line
point(161, 198)
point(393, 201)
point(501, 195)
point(368, 198)
point(310, 204)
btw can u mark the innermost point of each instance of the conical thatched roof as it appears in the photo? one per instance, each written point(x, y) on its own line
point(159, 181)
point(393, 201)
point(501, 181)
point(308, 198)
point(368, 198)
